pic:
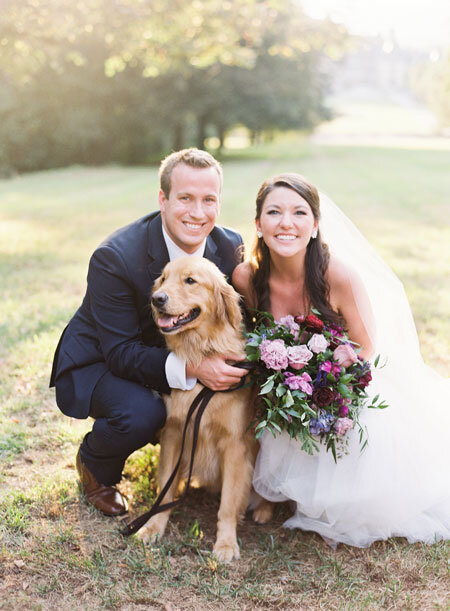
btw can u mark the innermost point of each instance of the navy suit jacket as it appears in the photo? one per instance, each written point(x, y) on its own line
point(113, 330)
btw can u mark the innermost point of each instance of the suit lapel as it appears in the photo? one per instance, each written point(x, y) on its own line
point(211, 252)
point(157, 249)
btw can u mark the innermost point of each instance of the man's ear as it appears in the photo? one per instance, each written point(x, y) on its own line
point(162, 200)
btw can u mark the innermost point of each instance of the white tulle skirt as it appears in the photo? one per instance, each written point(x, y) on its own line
point(399, 486)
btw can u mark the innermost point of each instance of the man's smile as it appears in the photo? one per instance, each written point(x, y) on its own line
point(193, 226)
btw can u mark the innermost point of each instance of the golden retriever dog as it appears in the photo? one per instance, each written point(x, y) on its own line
point(198, 313)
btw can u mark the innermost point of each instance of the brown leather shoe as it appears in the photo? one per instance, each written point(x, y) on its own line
point(106, 499)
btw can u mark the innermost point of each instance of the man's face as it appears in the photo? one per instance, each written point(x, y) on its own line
point(191, 210)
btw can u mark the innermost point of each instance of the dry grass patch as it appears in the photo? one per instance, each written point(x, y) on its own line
point(60, 553)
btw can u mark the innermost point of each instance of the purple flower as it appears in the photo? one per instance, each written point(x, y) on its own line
point(321, 424)
point(274, 354)
point(325, 420)
point(314, 427)
point(343, 410)
point(295, 382)
point(329, 367)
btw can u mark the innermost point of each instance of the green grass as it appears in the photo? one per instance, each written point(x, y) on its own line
point(59, 553)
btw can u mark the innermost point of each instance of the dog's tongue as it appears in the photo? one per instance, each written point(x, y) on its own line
point(167, 321)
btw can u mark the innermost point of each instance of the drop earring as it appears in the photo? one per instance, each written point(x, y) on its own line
point(314, 234)
point(259, 234)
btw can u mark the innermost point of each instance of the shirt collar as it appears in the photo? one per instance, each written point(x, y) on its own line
point(175, 252)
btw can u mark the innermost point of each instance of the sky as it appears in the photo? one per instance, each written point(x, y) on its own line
point(418, 24)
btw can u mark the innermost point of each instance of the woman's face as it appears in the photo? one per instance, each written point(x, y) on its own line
point(286, 222)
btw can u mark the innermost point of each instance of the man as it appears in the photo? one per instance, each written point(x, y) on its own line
point(110, 362)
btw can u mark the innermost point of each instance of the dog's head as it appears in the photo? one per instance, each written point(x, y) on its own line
point(192, 293)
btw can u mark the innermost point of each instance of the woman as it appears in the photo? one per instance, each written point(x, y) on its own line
point(399, 485)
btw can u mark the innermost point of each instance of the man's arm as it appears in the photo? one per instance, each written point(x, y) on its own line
point(113, 307)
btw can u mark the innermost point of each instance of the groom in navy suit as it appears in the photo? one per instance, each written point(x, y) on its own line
point(111, 363)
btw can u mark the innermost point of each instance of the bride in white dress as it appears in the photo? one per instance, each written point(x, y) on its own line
point(400, 484)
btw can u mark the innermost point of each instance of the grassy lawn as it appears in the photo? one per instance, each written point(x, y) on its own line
point(56, 552)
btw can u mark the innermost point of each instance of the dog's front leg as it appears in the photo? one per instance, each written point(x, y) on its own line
point(236, 483)
point(170, 444)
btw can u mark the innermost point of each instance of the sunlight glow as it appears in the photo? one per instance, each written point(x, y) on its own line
point(411, 23)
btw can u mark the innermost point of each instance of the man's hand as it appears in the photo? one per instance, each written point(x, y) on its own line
point(215, 373)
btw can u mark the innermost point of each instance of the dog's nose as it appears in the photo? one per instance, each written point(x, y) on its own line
point(159, 299)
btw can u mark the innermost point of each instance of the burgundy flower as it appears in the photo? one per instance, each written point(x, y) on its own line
point(323, 396)
point(313, 323)
point(299, 319)
point(364, 380)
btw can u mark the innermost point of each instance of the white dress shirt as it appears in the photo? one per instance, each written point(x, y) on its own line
point(176, 367)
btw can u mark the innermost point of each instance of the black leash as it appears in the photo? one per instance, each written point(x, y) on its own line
point(198, 405)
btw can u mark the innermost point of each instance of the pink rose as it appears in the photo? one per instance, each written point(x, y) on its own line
point(274, 354)
point(317, 343)
point(298, 356)
point(345, 355)
point(342, 425)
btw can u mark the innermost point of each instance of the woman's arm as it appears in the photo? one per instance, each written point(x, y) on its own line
point(348, 297)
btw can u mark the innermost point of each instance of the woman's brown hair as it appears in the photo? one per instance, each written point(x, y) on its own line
point(317, 253)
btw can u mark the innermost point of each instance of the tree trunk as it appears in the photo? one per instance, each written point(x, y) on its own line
point(201, 132)
point(221, 135)
point(178, 136)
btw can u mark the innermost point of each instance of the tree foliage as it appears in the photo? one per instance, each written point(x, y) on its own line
point(431, 83)
point(95, 81)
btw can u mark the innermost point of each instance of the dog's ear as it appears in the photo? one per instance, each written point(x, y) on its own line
point(227, 304)
point(157, 284)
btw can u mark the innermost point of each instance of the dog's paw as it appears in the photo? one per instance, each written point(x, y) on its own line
point(150, 532)
point(263, 512)
point(226, 551)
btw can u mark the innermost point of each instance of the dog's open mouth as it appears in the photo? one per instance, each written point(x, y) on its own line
point(167, 323)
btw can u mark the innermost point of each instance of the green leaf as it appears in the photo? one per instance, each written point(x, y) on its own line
point(252, 342)
point(288, 399)
point(267, 387)
point(275, 425)
point(281, 390)
point(344, 391)
point(346, 378)
point(261, 425)
point(293, 413)
point(259, 433)
point(333, 451)
point(377, 360)
point(309, 410)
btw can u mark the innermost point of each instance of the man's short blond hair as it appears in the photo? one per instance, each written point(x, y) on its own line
point(195, 158)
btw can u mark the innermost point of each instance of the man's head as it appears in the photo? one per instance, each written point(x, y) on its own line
point(189, 196)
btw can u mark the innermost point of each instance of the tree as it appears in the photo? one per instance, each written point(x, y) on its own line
point(125, 80)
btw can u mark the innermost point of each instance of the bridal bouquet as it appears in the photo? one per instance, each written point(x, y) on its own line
point(311, 379)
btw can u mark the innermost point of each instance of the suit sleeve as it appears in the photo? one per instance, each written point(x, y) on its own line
point(113, 307)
